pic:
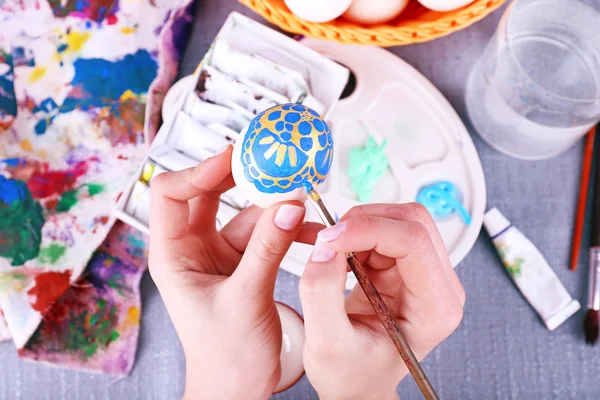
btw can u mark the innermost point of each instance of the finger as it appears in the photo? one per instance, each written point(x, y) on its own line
point(272, 237)
point(203, 209)
point(389, 285)
point(414, 212)
point(238, 231)
point(406, 241)
point(171, 192)
point(322, 296)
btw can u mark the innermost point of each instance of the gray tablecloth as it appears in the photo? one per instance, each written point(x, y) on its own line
point(501, 350)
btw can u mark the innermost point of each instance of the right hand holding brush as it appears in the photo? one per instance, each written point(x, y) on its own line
point(347, 353)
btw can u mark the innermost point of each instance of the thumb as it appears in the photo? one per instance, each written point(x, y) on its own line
point(272, 237)
point(322, 295)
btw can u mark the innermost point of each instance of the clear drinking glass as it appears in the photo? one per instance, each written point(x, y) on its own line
point(536, 89)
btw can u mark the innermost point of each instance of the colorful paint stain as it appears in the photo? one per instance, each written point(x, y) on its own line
point(21, 222)
point(106, 272)
point(125, 121)
point(71, 197)
point(95, 10)
point(49, 286)
point(51, 254)
point(46, 183)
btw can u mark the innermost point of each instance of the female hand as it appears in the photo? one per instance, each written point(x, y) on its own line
point(218, 286)
point(347, 353)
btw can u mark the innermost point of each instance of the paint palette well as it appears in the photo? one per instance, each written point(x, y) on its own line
point(427, 143)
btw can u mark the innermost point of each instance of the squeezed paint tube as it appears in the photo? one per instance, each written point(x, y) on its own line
point(265, 72)
point(194, 139)
point(530, 271)
point(216, 87)
point(205, 113)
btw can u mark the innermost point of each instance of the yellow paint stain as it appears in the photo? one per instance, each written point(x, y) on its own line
point(25, 145)
point(43, 153)
point(37, 74)
point(280, 155)
point(127, 31)
point(76, 40)
point(292, 155)
point(269, 153)
point(127, 95)
point(266, 140)
point(133, 315)
point(56, 57)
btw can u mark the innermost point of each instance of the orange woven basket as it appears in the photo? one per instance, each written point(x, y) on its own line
point(416, 24)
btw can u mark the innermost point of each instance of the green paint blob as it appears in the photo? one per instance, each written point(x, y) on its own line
point(94, 188)
point(21, 222)
point(51, 254)
point(367, 165)
point(68, 200)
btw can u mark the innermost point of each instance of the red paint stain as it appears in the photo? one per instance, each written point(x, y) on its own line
point(46, 183)
point(51, 204)
point(112, 19)
point(104, 219)
point(122, 157)
point(49, 287)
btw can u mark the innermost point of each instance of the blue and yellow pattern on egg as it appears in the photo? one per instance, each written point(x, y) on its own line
point(286, 147)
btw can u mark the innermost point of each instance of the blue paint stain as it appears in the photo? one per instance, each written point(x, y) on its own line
point(104, 81)
point(11, 190)
point(441, 200)
point(304, 128)
point(14, 162)
point(42, 126)
point(61, 48)
point(8, 100)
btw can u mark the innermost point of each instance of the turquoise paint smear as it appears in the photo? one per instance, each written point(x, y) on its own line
point(8, 101)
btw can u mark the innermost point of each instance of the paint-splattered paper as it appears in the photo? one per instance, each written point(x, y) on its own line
point(81, 85)
point(94, 325)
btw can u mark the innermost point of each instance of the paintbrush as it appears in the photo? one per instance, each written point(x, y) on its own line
point(586, 170)
point(590, 324)
point(379, 306)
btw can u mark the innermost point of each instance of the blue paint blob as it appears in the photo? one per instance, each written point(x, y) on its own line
point(284, 182)
point(292, 117)
point(274, 116)
point(267, 182)
point(42, 125)
point(8, 100)
point(286, 107)
point(61, 48)
point(319, 126)
point(323, 161)
point(323, 140)
point(306, 144)
point(286, 136)
point(304, 128)
point(247, 145)
point(247, 158)
point(281, 126)
point(441, 200)
point(254, 172)
point(299, 108)
point(88, 24)
point(298, 178)
point(313, 112)
point(288, 127)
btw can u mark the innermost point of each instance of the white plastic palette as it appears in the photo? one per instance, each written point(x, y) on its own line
point(427, 143)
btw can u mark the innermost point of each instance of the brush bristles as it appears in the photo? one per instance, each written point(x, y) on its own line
point(590, 326)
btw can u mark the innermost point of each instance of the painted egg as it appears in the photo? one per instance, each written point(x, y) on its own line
point(318, 10)
point(444, 5)
point(285, 150)
point(371, 12)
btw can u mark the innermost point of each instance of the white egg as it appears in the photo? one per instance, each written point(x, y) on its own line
point(371, 12)
point(247, 188)
point(444, 5)
point(318, 10)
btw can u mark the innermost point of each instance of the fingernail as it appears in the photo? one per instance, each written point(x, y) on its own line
point(321, 253)
point(330, 234)
point(221, 150)
point(288, 216)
